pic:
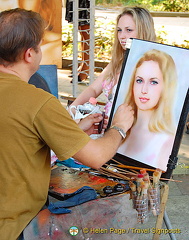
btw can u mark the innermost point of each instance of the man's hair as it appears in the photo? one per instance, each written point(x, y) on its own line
point(20, 30)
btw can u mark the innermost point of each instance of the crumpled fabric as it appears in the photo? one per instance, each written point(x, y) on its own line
point(80, 196)
point(70, 162)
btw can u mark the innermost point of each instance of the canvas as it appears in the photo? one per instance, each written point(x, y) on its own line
point(154, 81)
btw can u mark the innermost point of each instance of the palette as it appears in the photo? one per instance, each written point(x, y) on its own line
point(68, 180)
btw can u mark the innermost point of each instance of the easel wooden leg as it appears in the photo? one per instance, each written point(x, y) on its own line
point(164, 197)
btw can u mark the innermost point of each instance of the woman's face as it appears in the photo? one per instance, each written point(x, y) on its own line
point(30, 4)
point(148, 85)
point(126, 29)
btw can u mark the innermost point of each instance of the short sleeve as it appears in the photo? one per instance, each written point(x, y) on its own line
point(57, 129)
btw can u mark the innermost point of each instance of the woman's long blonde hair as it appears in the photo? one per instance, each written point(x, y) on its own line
point(145, 30)
point(162, 118)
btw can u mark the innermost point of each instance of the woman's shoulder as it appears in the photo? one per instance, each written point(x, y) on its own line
point(166, 137)
point(168, 140)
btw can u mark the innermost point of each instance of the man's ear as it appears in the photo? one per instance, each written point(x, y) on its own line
point(28, 55)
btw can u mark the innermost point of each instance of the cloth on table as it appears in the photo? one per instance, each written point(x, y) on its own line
point(70, 162)
point(80, 196)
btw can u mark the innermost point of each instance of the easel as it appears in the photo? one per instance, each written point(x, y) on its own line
point(171, 166)
point(164, 192)
point(163, 216)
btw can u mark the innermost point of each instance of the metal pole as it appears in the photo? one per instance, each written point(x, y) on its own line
point(92, 41)
point(168, 225)
point(75, 47)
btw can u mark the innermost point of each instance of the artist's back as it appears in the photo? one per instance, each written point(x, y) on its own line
point(31, 122)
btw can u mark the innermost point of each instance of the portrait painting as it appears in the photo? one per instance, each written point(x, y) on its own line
point(51, 12)
point(154, 81)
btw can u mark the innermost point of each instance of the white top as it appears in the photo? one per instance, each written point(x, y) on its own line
point(109, 91)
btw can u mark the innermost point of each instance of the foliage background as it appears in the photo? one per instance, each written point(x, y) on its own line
point(152, 5)
point(104, 29)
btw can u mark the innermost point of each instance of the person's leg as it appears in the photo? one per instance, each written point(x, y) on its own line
point(85, 38)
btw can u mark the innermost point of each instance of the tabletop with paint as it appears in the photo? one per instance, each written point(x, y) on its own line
point(102, 218)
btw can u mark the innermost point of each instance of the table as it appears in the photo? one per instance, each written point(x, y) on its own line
point(100, 219)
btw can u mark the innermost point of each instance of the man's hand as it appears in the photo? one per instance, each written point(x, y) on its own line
point(123, 117)
point(90, 123)
point(97, 152)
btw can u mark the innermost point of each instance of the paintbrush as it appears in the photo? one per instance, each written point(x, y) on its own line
point(132, 167)
point(137, 168)
point(156, 177)
point(139, 179)
point(132, 186)
point(100, 125)
point(116, 174)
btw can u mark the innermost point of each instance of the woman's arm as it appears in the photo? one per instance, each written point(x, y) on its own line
point(94, 90)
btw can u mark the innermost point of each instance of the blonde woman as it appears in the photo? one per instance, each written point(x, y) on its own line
point(151, 94)
point(132, 22)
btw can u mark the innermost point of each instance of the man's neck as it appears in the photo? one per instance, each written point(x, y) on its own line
point(13, 71)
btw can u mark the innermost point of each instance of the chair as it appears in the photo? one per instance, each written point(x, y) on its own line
point(46, 78)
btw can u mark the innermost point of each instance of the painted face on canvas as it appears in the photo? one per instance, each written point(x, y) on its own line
point(148, 85)
point(30, 4)
point(126, 29)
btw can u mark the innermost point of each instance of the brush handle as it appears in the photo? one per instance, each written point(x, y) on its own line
point(100, 126)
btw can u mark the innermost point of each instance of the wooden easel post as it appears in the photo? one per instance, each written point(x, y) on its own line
point(164, 197)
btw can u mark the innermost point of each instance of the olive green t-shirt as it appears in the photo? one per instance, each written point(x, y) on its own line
point(32, 122)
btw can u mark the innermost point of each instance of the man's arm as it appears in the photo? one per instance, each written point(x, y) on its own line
point(97, 152)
